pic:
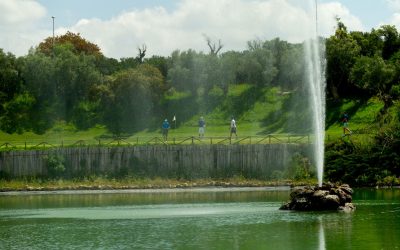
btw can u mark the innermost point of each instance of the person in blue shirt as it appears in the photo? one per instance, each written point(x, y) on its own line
point(345, 123)
point(165, 128)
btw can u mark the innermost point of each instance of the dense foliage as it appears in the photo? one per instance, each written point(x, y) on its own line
point(362, 65)
point(68, 79)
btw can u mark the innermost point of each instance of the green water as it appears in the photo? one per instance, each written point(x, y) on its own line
point(196, 219)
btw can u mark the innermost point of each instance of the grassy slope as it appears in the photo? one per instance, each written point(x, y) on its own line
point(255, 110)
point(363, 119)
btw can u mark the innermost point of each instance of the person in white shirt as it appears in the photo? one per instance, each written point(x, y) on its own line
point(233, 127)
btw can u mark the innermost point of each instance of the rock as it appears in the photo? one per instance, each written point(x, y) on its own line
point(320, 193)
point(346, 189)
point(331, 202)
point(327, 197)
point(347, 208)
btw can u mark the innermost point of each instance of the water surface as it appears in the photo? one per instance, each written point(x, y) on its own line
point(193, 219)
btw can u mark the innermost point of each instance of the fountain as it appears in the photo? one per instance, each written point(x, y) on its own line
point(317, 84)
point(327, 196)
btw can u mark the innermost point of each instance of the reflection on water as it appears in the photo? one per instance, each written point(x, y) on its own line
point(203, 219)
point(321, 235)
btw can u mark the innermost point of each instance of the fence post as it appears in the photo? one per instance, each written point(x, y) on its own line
point(192, 140)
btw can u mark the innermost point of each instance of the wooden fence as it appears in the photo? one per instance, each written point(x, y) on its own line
point(178, 161)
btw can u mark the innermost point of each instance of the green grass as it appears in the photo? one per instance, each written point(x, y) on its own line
point(102, 183)
point(362, 120)
point(258, 112)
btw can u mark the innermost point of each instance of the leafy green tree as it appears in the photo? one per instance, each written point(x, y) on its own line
point(79, 44)
point(376, 76)
point(11, 82)
point(291, 68)
point(18, 115)
point(391, 40)
point(160, 62)
point(107, 66)
point(342, 51)
point(370, 42)
point(182, 72)
point(126, 99)
point(38, 73)
point(74, 76)
point(257, 65)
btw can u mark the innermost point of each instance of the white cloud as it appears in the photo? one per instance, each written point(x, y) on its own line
point(17, 12)
point(328, 13)
point(394, 4)
point(17, 24)
point(233, 21)
point(395, 18)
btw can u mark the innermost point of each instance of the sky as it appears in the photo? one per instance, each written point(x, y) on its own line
point(119, 27)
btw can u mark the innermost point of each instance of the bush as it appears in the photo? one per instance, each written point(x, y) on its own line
point(300, 168)
point(390, 181)
point(55, 165)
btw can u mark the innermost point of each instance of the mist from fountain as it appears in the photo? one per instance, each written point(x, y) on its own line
point(317, 84)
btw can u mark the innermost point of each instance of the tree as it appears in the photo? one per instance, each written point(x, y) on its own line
point(79, 44)
point(38, 73)
point(74, 76)
point(160, 62)
point(18, 115)
point(141, 53)
point(11, 82)
point(182, 73)
point(376, 76)
point(126, 99)
point(370, 42)
point(391, 40)
point(214, 48)
point(257, 65)
point(341, 51)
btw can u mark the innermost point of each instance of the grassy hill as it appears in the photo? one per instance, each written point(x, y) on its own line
point(258, 112)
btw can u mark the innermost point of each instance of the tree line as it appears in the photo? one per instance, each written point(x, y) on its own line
point(69, 79)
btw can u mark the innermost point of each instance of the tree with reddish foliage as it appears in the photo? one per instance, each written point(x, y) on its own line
point(80, 44)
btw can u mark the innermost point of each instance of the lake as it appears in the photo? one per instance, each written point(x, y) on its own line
point(201, 218)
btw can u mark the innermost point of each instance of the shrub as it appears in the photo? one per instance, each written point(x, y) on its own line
point(55, 165)
point(300, 168)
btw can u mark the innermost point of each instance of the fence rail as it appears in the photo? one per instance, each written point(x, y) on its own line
point(133, 141)
point(137, 141)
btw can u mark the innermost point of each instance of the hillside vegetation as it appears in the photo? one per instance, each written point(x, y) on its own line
point(68, 91)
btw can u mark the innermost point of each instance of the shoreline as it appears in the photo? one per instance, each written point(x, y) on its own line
point(101, 185)
point(122, 185)
point(149, 190)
